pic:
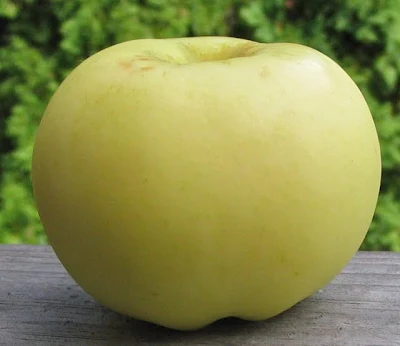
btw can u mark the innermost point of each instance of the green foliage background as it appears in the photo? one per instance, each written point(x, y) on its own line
point(41, 41)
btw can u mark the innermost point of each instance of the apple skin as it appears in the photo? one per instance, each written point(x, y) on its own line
point(185, 180)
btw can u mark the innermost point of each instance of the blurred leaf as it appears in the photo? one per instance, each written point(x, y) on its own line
point(8, 9)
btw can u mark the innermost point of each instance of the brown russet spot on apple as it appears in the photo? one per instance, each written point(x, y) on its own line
point(144, 58)
point(125, 64)
point(146, 68)
point(141, 63)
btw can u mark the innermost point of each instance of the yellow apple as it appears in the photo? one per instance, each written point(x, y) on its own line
point(185, 180)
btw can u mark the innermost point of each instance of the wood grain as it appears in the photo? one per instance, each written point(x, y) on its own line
point(41, 305)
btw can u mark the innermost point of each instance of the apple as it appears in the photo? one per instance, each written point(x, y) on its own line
point(185, 180)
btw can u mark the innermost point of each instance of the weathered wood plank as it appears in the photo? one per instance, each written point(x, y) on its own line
point(41, 305)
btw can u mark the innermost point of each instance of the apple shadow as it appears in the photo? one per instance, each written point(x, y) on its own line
point(222, 331)
point(224, 328)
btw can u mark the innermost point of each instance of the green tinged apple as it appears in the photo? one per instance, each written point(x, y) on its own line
point(185, 180)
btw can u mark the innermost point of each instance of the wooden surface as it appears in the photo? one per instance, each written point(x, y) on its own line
point(41, 305)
